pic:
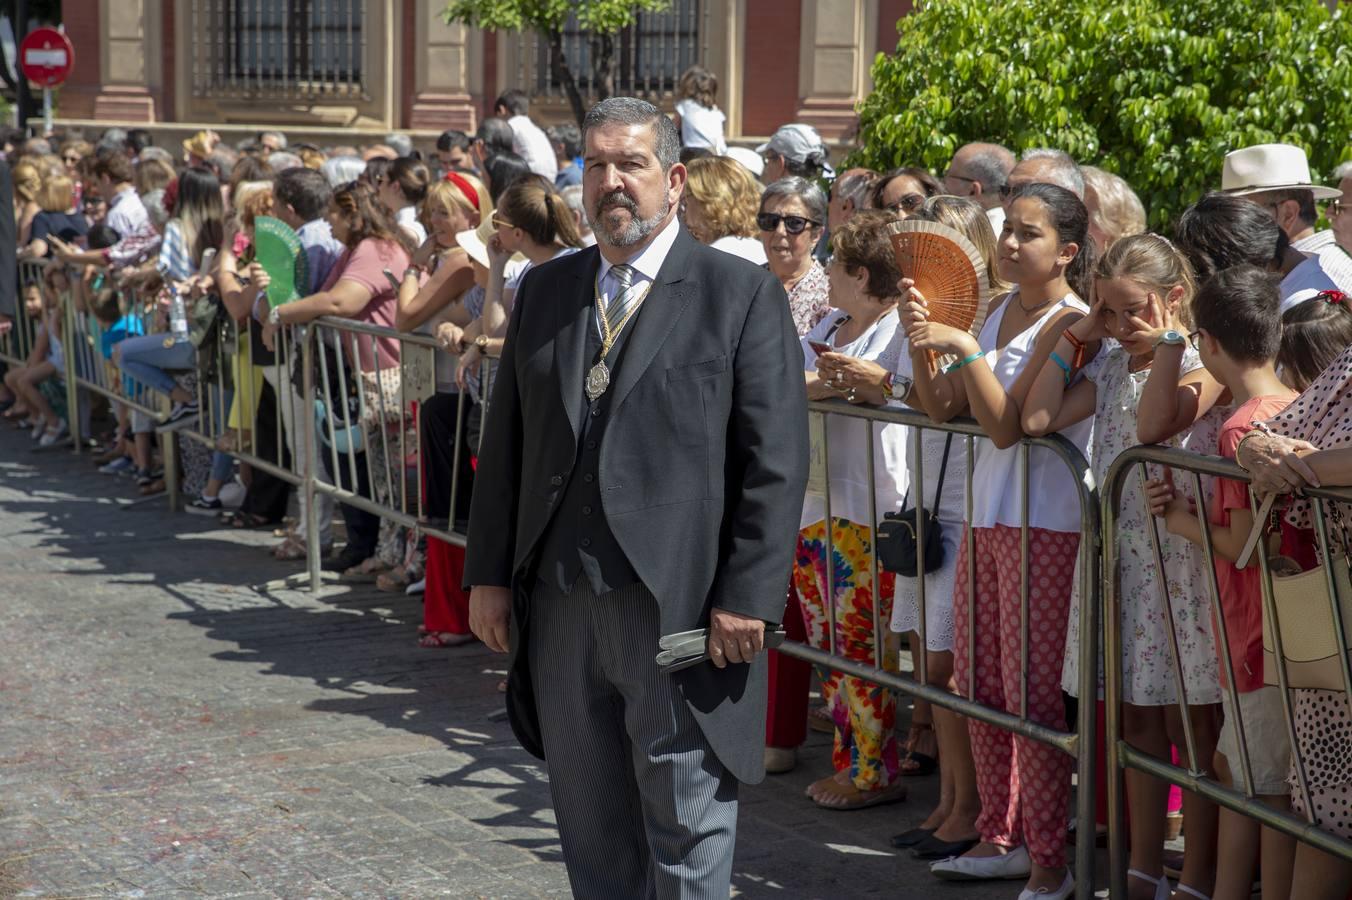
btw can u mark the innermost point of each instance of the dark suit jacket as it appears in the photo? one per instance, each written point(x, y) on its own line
point(703, 464)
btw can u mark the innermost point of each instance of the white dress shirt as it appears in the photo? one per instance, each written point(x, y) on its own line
point(532, 145)
point(646, 264)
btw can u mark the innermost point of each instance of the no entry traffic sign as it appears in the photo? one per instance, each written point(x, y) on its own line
point(46, 56)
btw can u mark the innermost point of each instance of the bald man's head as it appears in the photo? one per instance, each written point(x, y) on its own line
point(978, 171)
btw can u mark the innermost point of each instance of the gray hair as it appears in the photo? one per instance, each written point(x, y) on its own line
point(633, 111)
point(156, 153)
point(854, 187)
point(341, 170)
point(1343, 170)
point(281, 138)
point(279, 160)
point(112, 139)
point(156, 214)
point(990, 168)
point(572, 195)
point(399, 143)
point(1065, 172)
point(804, 190)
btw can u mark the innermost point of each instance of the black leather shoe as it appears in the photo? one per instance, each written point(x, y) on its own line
point(933, 848)
point(911, 838)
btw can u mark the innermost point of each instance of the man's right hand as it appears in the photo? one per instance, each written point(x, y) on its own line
point(490, 616)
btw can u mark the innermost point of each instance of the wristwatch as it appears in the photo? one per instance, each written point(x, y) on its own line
point(275, 316)
point(1173, 338)
point(481, 342)
point(896, 387)
point(415, 271)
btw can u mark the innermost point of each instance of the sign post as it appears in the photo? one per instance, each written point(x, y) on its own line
point(46, 57)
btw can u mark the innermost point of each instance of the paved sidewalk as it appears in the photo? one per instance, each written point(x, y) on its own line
point(172, 729)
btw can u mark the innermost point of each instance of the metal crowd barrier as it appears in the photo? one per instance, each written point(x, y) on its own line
point(1121, 755)
point(1078, 743)
point(16, 342)
point(382, 420)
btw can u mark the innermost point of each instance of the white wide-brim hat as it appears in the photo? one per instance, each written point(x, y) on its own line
point(1270, 167)
point(475, 242)
point(750, 159)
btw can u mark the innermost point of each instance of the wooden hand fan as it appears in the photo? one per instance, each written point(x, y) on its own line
point(947, 269)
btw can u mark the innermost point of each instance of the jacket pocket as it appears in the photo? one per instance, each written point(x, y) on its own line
point(702, 369)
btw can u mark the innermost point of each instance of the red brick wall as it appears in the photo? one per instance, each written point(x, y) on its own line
point(491, 89)
point(408, 75)
point(889, 11)
point(76, 97)
point(167, 110)
point(770, 73)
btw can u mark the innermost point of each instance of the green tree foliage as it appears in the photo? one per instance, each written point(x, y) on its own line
point(600, 20)
point(1156, 91)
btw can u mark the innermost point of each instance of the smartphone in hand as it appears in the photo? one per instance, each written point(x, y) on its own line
point(820, 347)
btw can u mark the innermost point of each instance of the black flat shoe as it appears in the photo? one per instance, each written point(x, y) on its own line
point(933, 848)
point(911, 838)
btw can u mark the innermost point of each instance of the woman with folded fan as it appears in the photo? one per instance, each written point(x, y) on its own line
point(950, 829)
point(863, 279)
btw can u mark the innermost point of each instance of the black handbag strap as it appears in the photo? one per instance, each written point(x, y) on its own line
point(943, 470)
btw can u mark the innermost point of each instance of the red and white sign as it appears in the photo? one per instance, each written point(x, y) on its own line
point(46, 56)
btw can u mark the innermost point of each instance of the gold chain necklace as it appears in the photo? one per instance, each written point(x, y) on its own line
point(598, 377)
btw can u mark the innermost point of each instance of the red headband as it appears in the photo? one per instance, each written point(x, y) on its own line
point(466, 188)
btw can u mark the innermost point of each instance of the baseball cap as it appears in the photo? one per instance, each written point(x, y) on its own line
point(800, 144)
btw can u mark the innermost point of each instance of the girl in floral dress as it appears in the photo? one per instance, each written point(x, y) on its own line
point(1140, 286)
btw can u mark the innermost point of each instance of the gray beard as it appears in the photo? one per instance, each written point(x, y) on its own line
point(634, 232)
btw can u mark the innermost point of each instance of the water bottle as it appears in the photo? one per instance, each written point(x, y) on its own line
point(178, 316)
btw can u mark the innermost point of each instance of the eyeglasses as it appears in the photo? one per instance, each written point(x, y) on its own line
point(1335, 208)
point(792, 224)
point(958, 177)
point(908, 204)
point(499, 222)
point(1195, 339)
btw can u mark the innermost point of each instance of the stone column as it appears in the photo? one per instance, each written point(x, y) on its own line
point(834, 57)
point(130, 39)
point(447, 74)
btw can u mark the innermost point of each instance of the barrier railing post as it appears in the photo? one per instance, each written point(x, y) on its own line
point(305, 421)
point(169, 452)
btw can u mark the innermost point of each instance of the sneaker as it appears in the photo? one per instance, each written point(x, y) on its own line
point(181, 414)
point(50, 437)
point(144, 477)
point(417, 587)
point(1012, 865)
point(39, 427)
point(120, 466)
point(204, 506)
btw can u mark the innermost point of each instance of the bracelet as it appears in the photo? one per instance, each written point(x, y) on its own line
point(948, 370)
point(1065, 366)
point(1078, 344)
point(1240, 446)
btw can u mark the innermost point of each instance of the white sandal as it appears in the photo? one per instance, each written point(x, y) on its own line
point(1161, 884)
point(1184, 889)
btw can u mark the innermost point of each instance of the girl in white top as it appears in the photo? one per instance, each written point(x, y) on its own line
point(1139, 286)
point(863, 280)
point(1045, 251)
point(697, 116)
point(953, 821)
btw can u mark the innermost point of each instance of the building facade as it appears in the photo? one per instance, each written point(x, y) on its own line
point(321, 69)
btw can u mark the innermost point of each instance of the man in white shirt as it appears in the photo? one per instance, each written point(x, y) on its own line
point(1277, 178)
point(528, 141)
point(126, 213)
point(977, 172)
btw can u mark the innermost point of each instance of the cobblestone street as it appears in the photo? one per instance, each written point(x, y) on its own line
point(175, 727)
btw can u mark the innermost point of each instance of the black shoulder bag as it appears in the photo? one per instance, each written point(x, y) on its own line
point(897, 547)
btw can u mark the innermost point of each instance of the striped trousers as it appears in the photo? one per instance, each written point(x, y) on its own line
point(644, 807)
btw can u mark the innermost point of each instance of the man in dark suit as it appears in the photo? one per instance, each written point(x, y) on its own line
point(642, 472)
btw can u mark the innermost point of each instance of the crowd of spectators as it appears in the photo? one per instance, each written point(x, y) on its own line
point(1098, 330)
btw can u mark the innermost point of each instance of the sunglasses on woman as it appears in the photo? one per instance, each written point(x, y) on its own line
point(908, 204)
point(792, 224)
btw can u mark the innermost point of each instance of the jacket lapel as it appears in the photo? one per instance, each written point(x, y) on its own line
point(574, 313)
point(665, 303)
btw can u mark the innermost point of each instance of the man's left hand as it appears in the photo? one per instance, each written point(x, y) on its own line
point(734, 638)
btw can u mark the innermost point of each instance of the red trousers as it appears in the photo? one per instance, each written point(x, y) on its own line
point(790, 680)
point(445, 605)
point(1024, 785)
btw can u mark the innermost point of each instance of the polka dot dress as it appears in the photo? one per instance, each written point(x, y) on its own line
point(1322, 415)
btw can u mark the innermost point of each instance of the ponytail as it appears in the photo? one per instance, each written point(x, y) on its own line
point(533, 205)
point(561, 218)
